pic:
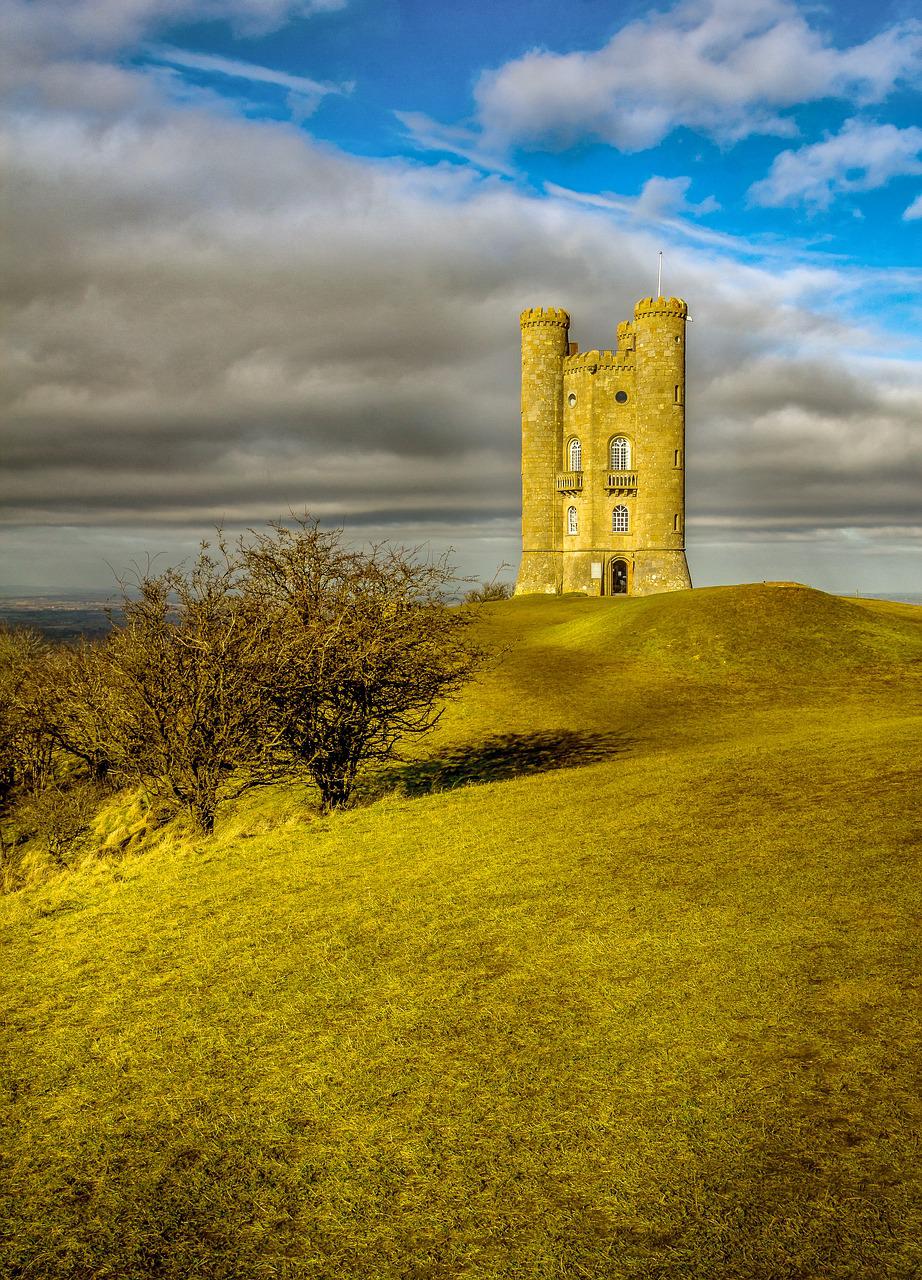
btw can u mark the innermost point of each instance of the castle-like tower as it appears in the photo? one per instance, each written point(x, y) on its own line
point(603, 455)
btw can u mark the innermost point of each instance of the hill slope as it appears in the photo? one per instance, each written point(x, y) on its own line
point(651, 1015)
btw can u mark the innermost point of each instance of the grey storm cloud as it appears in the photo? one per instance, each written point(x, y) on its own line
point(210, 317)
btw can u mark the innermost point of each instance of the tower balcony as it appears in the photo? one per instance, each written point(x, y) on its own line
point(621, 481)
point(569, 481)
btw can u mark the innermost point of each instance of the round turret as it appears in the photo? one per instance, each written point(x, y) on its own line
point(544, 348)
point(625, 337)
point(659, 324)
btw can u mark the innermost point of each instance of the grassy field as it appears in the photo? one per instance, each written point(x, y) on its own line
point(618, 978)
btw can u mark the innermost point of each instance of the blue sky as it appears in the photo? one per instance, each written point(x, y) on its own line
point(385, 63)
point(195, 184)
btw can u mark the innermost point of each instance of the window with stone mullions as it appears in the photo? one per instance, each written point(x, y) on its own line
point(620, 520)
point(620, 454)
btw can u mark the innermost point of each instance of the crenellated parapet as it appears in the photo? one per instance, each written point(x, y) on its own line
point(661, 307)
point(532, 316)
point(590, 361)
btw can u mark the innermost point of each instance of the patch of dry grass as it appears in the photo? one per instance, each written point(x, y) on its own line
point(651, 1015)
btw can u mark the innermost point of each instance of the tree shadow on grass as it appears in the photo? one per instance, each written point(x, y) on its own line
point(508, 755)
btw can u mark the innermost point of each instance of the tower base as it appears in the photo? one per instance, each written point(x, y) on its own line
point(656, 571)
point(539, 574)
point(603, 573)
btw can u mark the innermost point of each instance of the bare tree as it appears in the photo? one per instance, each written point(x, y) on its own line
point(79, 702)
point(363, 649)
point(292, 654)
point(184, 668)
point(26, 750)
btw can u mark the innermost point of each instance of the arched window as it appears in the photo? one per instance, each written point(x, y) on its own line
point(620, 454)
point(572, 520)
point(620, 519)
point(574, 456)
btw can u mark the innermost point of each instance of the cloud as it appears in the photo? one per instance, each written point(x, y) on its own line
point(426, 134)
point(914, 211)
point(217, 319)
point(656, 213)
point(235, 69)
point(304, 95)
point(861, 157)
point(71, 25)
point(725, 68)
point(59, 52)
point(670, 195)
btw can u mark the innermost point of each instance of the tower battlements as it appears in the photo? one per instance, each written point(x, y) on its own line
point(603, 455)
point(595, 360)
point(545, 316)
point(661, 307)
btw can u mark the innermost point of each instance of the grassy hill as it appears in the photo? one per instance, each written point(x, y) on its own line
point(618, 978)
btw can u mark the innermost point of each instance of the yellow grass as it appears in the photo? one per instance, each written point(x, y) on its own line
point(652, 1014)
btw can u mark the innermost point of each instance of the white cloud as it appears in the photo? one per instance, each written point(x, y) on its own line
point(109, 24)
point(680, 229)
point(55, 52)
point(427, 134)
point(914, 211)
point(236, 69)
point(670, 195)
point(861, 157)
point(304, 94)
point(726, 68)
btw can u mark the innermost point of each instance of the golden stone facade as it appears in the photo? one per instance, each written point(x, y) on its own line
point(603, 455)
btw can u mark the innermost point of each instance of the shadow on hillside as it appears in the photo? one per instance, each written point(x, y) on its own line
point(508, 755)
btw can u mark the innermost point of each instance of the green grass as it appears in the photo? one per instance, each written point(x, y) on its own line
point(654, 1014)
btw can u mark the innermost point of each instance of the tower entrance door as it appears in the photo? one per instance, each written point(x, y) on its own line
point(619, 577)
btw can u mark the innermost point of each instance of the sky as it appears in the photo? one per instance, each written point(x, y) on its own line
point(262, 256)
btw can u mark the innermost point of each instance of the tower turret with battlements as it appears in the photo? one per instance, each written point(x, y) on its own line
point(603, 455)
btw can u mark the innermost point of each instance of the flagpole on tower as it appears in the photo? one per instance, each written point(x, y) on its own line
point(659, 276)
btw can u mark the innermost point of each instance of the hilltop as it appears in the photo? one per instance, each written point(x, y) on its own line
point(642, 1001)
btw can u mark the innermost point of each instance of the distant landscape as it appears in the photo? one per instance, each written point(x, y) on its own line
point(61, 616)
point(69, 615)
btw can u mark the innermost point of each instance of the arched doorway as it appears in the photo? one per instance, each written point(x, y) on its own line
point(618, 577)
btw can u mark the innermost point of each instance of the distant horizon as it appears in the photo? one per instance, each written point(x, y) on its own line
point(65, 595)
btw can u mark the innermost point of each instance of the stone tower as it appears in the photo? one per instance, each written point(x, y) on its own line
point(603, 455)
